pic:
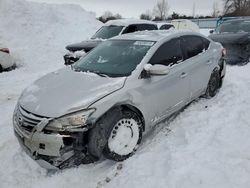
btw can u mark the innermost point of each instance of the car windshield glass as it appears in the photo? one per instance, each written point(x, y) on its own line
point(114, 58)
point(107, 32)
point(234, 27)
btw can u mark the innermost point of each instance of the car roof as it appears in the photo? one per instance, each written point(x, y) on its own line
point(155, 35)
point(127, 22)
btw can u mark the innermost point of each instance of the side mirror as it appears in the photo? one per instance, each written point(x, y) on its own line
point(157, 69)
point(211, 31)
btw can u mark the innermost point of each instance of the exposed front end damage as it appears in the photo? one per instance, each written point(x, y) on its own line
point(51, 150)
point(52, 121)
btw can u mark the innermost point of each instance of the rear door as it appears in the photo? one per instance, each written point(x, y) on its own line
point(200, 62)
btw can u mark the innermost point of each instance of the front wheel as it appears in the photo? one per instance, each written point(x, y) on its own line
point(116, 135)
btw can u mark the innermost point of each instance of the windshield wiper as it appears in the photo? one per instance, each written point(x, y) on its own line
point(99, 74)
point(95, 72)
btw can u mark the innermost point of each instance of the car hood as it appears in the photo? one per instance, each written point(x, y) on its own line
point(84, 45)
point(231, 38)
point(66, 91)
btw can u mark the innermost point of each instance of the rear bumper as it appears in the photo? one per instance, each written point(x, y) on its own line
point(237, 54)
point(237, 60)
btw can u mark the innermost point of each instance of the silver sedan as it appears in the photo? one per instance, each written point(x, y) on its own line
point(106, 102)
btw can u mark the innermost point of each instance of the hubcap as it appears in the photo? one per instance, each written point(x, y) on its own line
point(124, 137)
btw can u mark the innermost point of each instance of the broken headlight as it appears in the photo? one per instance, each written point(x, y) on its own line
point(72, 122)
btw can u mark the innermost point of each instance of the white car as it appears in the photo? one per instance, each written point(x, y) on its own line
point(183, 24)
point(6, 61)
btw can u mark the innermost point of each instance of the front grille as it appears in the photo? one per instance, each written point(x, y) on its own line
point(27, 120)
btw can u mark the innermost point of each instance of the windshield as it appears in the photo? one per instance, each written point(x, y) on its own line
point(114, 58)
point(107, 32)
point(234, 27)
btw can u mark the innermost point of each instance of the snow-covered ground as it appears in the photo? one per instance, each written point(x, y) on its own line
point(206, 145)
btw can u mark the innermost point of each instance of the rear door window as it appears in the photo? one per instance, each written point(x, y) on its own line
point(131, 29)
point(192, 46)
point(168, 54)
point(143, 27)
point(166, 27)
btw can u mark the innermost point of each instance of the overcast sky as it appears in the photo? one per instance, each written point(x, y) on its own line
point(133, 8)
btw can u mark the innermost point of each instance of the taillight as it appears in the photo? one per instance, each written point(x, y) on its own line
point(5, 50)
point(223, 52)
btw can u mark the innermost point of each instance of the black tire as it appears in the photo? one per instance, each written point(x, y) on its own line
point(99, 136)
point(1, 69)
point(213, 84)
point(221, 64)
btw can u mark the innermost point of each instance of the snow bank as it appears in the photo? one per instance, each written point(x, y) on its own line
point(37, 34)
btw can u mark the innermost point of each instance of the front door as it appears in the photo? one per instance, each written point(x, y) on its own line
point(165, 94)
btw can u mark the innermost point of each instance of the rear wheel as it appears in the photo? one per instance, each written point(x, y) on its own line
point(221, 64)
point(213, 84)
point(1, 69)
point(116, 135)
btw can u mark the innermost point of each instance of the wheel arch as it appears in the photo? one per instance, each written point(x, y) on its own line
point(136, 110)
point(124, 106)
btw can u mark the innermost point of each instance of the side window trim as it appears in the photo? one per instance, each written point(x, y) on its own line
point(183, 49)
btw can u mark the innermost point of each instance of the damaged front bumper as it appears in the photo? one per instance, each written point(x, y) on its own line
point(50, 150)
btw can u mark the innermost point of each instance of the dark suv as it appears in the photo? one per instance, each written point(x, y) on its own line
point(234, 35)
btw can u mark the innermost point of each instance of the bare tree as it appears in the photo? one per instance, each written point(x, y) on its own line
point(107, 15)
point(118, 16)
point(237, 7)
point(216, 10)
point(147, 15)
point(161, 9)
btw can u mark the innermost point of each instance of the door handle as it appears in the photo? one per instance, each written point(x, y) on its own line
point(209, 62)
point(183, 75)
